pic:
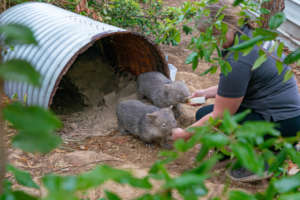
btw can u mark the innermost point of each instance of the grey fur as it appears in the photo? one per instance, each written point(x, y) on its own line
point(160, 90)
point(147, 122)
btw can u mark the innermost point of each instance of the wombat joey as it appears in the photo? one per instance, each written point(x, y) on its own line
point(160, 90)
point(149, 123)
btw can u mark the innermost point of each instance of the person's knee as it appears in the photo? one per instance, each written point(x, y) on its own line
point(204, 111)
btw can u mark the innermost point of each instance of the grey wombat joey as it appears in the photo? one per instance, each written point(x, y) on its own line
point(160, 90)
point(149, 123)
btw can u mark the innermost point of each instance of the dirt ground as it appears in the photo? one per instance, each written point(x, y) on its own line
point(84, 147)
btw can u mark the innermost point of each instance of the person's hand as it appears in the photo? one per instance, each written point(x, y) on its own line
point(198, 93)
point(179, 133)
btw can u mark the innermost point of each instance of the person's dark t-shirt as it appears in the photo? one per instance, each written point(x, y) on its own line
point(263, 89)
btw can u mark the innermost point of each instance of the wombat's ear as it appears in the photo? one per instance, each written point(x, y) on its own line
point(169, 109)
point(168, 86)
point(151, 116)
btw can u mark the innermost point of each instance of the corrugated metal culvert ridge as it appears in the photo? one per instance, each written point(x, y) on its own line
point(62, 36)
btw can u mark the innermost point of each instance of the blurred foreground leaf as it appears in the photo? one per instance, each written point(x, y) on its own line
point(19, 70)
point(22, 177)
point(36, 127)
point(17, 34)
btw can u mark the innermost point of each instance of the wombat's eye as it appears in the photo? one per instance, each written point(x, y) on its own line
point(164, 125)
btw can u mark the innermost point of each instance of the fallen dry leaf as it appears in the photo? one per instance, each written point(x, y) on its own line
point(292, 168)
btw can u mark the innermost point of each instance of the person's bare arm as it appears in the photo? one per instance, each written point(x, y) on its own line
point(210, 92)
point(221, 104)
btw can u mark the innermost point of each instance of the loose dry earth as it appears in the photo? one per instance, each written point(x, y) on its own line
point(86, 142)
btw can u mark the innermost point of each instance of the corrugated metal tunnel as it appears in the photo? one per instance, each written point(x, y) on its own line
point(62, 36)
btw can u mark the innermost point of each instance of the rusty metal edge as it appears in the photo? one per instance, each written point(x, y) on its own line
point(99, 37)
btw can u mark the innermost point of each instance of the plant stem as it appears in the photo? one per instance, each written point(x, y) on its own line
point(2, 143)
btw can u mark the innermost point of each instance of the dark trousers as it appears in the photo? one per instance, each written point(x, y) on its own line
point(288, 127)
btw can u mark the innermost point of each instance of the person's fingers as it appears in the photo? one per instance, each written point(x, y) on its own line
point(198, 93)
point(176, 133)
point(179, 133)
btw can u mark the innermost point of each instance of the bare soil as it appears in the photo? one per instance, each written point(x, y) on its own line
point(90, 135)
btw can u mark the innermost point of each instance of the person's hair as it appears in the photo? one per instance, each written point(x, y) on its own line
point(231, 13)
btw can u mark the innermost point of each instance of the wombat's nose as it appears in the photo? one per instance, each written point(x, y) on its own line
point(186, 99)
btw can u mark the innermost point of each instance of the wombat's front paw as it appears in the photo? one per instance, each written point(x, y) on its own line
point(123, 131)
point(167, 145)
point(150, 145)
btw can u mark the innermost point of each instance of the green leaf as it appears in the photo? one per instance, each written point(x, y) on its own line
point(185, 180)
point(195, 63)
point(205, 166)
point(240, 195)
point(288, 75)
point(215, 140)
point(240, 116)
point(192, 192)
point(180, 145)
point(104, 173)
point(187, 30)
point(254, 129)
point(279, 66)
point(36, 127)
point(276, 20)
point(294, 155)
point(247, 157)
point(7, 187)
point(111, 196)
point(236, 56)
point(31, 118)
point(16, 33)
point(158, 170)
point(172, 155)
point(17, 195)
point(213, 69)
point(19, 70)
point(191, 57)
point(290, 196)
point(228, 123)
point(42, 142)
point(55, 183)
point(237, 2)
point(246, 51)
point(225, 67)
point(244, 38)
point(264, 11)
point(280, 49)
point(287, 184)
point(22, 177)
point(248, 43)
point(280, 160)
point(259, 61)
point(60, 187)
point(202, 153)
point(292, 57)
point(271, 35)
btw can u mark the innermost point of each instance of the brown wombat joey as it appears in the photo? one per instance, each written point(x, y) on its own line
point(149, 123)
point(160, 90)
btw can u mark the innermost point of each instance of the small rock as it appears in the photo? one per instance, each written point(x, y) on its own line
point(73, 126)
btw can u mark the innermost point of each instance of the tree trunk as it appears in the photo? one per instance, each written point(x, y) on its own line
point(2, 143)
point(274, 6)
